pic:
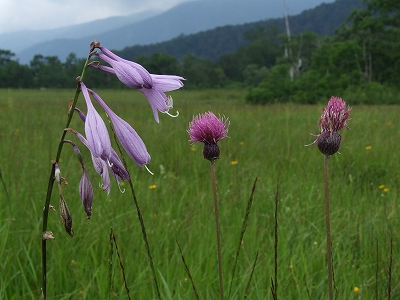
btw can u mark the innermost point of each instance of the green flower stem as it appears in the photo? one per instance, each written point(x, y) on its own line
point(218, 230)
point(51, 178)
point(328, 228)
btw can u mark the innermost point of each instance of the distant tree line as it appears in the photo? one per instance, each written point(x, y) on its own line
point(361, 61)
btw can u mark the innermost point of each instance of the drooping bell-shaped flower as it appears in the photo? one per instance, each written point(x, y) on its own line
point(127, 136)
point(85, 186)
point(86, 192)
point(136, 76)
point(101, 166)
point(95, 129)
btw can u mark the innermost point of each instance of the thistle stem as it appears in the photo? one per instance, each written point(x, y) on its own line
point(328, 228)
point(51, 179)
point(217, 228)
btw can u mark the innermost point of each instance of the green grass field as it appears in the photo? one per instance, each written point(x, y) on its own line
point(265, 142)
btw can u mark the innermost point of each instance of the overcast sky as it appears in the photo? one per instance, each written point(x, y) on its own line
point(47, 14)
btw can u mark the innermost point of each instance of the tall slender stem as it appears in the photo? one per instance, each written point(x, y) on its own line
point(218, 230)
point(328, 228)
point(51, 179)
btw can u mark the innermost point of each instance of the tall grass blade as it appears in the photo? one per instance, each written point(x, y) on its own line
point(242, 231)
point(139, 214)
point(114, 239)
point(247, 290)
point(274, 282)
point(377, 271)
point(110, 265)
point(187, 270)
point(390, 270)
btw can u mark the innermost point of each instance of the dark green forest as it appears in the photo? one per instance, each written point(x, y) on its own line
point(357, 57)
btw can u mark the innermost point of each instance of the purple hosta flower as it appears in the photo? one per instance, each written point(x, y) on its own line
point(157, 99)
point(101, 166)
point(117, 168)
point(57, 173)
point(128, 72)
point(95, 129)
point(86, 192)
point(208, 129)
point(81, 114)
point(128, 137)
point(334, 118)
point(135, 76)
point(85, 186)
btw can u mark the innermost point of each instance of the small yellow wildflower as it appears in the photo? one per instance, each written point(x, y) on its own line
point(382, 186)
point(385, 190)
point(234, 162)
point(193, 148)
point(241, 143)
point(152, 187)
point(356, 290)
point(368, 148)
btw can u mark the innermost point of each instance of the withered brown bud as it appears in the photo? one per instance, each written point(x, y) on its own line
point(66, 216)
point(47, 235)
point(329, 142)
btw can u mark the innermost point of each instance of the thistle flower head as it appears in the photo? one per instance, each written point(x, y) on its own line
point(334, 118)
point(208, 129)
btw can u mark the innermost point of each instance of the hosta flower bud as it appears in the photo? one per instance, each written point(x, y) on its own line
point(66, 216)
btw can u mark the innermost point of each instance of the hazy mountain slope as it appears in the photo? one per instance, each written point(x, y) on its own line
point(197, 16)
point(186, 18)
point(210, 44)
point(20, 40)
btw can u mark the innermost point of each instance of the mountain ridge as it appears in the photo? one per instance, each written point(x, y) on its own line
point(322, 20)
point(163, 27)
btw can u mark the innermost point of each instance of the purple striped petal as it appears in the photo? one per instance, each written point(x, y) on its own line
point(96, 130)
point(128, 137)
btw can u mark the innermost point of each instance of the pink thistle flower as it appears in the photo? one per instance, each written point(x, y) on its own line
point(334, 118)
point(208, 129)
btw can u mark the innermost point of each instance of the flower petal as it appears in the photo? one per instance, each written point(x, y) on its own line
point(95, 129)
point(128, 137)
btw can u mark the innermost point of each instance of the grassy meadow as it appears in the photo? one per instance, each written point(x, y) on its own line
point(177, 202)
